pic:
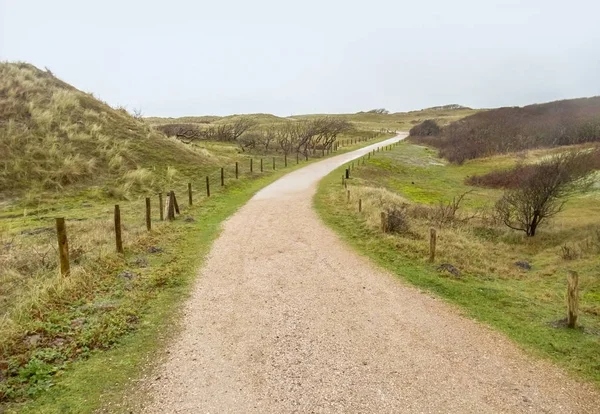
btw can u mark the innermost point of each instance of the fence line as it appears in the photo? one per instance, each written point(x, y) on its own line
point(169, 207)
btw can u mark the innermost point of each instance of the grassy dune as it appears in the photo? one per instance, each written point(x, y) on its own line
point(524, 304)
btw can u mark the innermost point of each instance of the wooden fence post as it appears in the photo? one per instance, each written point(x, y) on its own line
point(359, 205)
point(190, 200)
point(207, 186)
point(170, 207)
point(432, 243)
point(572, 298)
point(160, 207)
point(273, 162)
point(251, 167)
point(222, 177)
point(237, 170)
point(118, 239)
point(383, 222)
point(175, 204)
point(347, 173)
point(285, 160)
point(297, 158)
point(63, 246)
point(148, 215)
point(261, 165)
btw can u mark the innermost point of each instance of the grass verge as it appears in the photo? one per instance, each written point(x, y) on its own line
point(523, 305)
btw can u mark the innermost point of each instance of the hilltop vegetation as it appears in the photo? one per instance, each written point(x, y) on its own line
point(54, 137)
point(505, 130)
point(372, 120)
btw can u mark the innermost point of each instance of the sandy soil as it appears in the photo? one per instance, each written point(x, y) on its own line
point(285, 318)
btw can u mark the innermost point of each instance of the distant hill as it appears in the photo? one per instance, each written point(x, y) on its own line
point(53, 137)
point(213, 119)
point(503, 130)
point(450, 107)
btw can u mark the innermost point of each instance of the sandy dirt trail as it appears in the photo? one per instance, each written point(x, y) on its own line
point(285, 318)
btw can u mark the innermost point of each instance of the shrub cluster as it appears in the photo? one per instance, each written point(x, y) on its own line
point(504, 130)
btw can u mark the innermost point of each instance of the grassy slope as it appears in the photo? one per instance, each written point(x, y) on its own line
point(56, 139)
point(520, 304)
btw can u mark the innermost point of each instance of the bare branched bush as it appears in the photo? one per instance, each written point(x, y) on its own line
point(445, 213)
point(542, 194)
point(397, 220)
point(183, 132)
point(504, 130)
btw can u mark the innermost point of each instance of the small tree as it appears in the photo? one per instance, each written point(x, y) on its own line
point(541, 194)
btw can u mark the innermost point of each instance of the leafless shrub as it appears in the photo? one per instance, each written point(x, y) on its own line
point(506, 130)
point(137, 113)
point(542, 194)
point(513, 178)
point(184, 132)
point(446, 212)
point(397, 221)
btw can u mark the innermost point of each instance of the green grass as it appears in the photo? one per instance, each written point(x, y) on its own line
point(523, 305)
point(104, 375)
point(113, 344)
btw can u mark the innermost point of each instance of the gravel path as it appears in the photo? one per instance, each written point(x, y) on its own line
point(285, 318)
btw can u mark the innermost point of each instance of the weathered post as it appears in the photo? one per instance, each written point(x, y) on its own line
point(285, 160)
point(251, 164)
point(237, 170)
point(359, 205)
point(572, 298)
point(347, 173)
point(261, 165)
point(160, 206)
point(171, 206)
point(297, 158)
point(432, 243)
point(190, 200)
point(118, 239)
point(222, 177)
point(273, 162)
point(175, 203)
point(63, 246)
point(207, 186)
point(148, 215)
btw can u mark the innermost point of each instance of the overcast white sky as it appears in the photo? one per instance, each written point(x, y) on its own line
point(176, 57)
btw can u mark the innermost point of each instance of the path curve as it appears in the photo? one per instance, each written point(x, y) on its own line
point(285, 318)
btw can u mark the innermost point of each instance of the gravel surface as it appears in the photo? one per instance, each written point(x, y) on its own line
point(285, 318)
